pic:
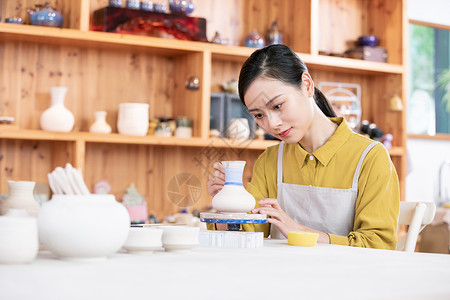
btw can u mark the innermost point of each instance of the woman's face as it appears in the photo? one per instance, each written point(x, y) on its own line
point(283, 110)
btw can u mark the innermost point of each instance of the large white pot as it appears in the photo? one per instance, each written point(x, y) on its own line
point(83, 227)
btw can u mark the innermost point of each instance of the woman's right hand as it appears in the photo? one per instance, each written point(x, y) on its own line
point(216, 179)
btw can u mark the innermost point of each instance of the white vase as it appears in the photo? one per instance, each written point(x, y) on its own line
point(18, 237)
point(239, 129)
point(133, 119)
point(83, 227)
point(57, 118)
point(20, 197)
point(100, 125)
point(233, 197)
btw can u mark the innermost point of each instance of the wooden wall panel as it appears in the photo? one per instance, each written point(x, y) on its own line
point(341, 22)
point(188, 102)
point(152, 168)
point(385, 21)
point(223, 71)
point(96, 80)
point(293, 17)
point(31, 160)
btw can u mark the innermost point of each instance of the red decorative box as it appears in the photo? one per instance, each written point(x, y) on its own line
point(140, 22)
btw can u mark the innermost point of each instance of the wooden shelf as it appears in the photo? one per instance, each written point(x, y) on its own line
point(170, 47)
point(116, 138)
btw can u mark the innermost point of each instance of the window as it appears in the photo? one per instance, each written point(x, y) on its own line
point(429, 79)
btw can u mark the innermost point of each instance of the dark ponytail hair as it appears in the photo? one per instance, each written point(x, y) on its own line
point(281, 63)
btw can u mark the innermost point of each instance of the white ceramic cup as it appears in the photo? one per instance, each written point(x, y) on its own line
point(19, 242)
point(133, 119)
point(179, 238)
point(143, 240)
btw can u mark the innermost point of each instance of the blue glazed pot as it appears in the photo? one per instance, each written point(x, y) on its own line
point(45, 16)
point(185, 7)
point(368, 40)
point(254, 40)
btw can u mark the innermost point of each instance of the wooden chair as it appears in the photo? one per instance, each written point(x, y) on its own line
point(417, 215)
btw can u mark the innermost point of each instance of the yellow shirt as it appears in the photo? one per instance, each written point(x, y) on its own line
point(377, 205)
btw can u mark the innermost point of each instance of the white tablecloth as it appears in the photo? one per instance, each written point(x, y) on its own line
point(275, 271)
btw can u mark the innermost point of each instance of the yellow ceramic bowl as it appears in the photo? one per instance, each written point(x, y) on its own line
point(301, 238)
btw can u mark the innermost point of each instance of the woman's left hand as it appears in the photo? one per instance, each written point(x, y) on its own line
point(279, 218)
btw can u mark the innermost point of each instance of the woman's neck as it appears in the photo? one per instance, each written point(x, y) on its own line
point(320, 131)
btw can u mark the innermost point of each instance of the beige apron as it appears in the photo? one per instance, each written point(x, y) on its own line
point(328, 210)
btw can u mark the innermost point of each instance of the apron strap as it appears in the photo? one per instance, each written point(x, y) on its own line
point(358, 167)
point(280, 163)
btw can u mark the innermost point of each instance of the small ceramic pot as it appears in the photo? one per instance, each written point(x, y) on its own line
point(143, 240)
point(20, 197)
point(179, 238)
point(100, 125)
point(83, 227)
point(18, 237)
point(238, 129)
point(254, 40)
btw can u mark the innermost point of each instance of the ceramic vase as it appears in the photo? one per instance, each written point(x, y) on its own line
point(100, 125)
point(18, 237)
point(83, 227)
point(239, 129)
point(57, 118)
point(133, 119)
point(20, 197)
point(233, 197)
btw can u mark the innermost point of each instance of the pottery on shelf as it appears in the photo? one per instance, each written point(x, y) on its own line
point(254, 40)
point(133, 119)
point(100, 125)
point(83, 227)
point(20, 197)
point(57, 118)
point(45, 15)
point(274, 35)
point(184, 7)
point(19, 242)
point(233, 197)
point(238, 129)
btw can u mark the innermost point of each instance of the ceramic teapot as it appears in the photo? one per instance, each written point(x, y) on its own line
point(45, 15)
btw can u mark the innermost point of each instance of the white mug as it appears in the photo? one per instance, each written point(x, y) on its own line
point(133, 119)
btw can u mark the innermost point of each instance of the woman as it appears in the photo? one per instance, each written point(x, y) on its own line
point(323, 177)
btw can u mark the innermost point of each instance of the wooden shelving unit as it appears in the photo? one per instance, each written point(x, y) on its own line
point(102, 70)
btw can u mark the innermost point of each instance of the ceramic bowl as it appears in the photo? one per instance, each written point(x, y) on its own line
point(368, 40)
point(142, 240)
point(179, 238)
point(83, 227)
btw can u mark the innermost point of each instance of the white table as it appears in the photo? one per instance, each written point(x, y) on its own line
point(276, 271)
